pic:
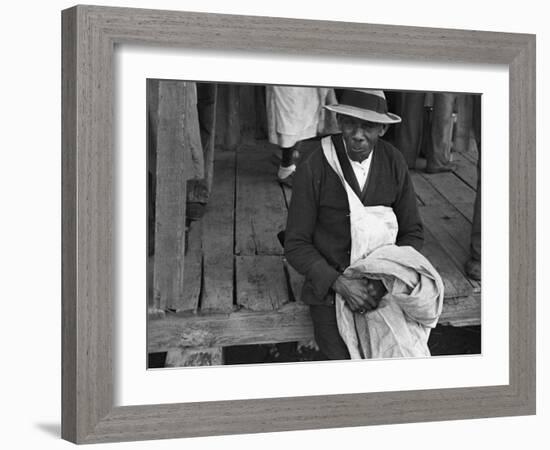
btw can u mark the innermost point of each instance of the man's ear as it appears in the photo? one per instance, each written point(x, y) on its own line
point(383, 130)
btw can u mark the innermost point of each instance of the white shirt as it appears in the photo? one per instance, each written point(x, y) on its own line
point(361, 169)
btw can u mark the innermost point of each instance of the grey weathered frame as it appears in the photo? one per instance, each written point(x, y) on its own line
point(89, 36)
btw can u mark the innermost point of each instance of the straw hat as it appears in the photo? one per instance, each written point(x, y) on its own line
point(364, 104)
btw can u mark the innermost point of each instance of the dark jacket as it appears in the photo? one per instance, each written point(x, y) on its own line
point(318, 239)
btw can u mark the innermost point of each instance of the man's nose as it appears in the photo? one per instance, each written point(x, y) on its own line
point(357, 135)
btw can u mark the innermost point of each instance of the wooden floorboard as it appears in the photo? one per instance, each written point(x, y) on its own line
point(465, 170)
point(261, 282)
point(425, 191)
point(456, 285)
point(218, 235)
point(260, 208)
point(454, 190)
point(452, 232)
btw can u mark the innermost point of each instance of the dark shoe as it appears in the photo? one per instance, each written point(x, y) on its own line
point(442, 169)
point(194, 211)
point(473, 269)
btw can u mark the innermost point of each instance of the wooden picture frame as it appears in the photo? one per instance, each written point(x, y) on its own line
point(89, 36)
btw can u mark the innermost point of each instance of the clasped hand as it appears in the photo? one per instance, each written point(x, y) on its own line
point(360, 294)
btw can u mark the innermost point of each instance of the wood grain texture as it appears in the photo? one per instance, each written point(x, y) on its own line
point(261, 283)
point(461, 311)
point(176, 101)
point(257, 223)
point(456, 285)
point(452, 231)
point(192, 274)
point(465, 169)
point(89, 37)
point(69, 258)
point(87, 191)
point(454, 190)
point(218, 226)
point(291, 322)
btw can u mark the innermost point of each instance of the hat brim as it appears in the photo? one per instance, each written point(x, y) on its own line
point(364, 114)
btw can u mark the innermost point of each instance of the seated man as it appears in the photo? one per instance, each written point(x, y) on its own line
point(318, 237)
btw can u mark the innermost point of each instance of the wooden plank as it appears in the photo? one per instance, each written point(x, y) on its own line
point(466, 209)
point(260, 208)
point(218, 231)
point(456, 285)
point(462, 311)
point(192, 275)
point(427, 194)
point(176, 112)
point(194, 356)
point(452, 231)
point(451, 187)
point(292, 322)
point(261, 283)
point(465, 170)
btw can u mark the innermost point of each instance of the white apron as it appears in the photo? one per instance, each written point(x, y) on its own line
point(401, 324)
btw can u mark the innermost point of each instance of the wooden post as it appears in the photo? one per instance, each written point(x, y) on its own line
point(177, 152)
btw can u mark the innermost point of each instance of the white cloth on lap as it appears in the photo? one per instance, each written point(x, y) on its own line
point(400, 326)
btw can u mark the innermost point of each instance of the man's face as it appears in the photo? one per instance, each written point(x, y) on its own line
point(360, 136)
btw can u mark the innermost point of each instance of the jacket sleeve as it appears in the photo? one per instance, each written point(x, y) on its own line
point(411, 229)
point(300, 250)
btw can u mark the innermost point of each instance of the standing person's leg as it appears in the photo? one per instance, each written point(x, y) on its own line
point(327, 336)
point(408, 134)
point(198, 190)
point(473, 266)
point(438, 157)
point(464, 122)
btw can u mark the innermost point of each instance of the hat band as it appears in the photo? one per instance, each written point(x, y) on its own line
point(364, 100)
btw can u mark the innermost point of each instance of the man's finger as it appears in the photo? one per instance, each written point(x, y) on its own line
point(366, 301)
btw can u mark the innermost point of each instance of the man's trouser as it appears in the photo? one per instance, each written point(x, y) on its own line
point(326, 332)
point(475, 244)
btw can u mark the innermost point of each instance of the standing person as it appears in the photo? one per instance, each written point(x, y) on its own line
point(438, 152)
point(318, 238)
point(473, 265)
point(407, 135)
point(198, 189)
point(293, 115)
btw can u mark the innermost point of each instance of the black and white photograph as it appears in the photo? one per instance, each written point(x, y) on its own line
point(292, 224)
